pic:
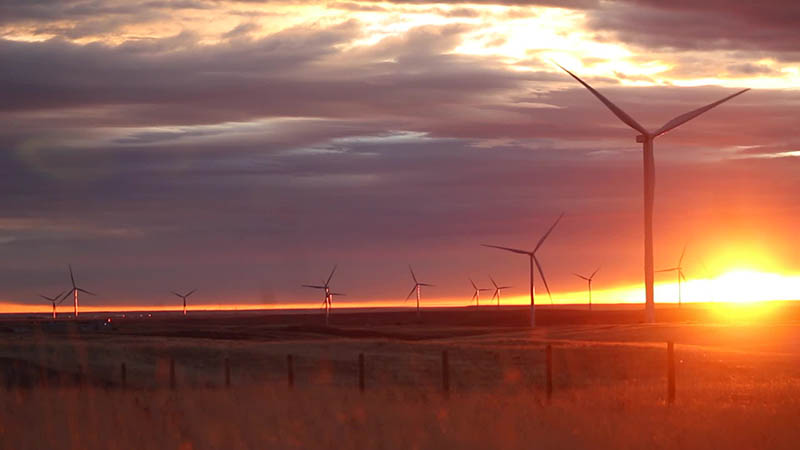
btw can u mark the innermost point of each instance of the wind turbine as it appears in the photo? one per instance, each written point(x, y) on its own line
point(75, 289)
point(589, 280)
point(184, 297)
point(416, 287)
point(497, 290)
point(327, 302)
point(647, 138)
point(55, 300)
point(477, 295)
point(679, 269)
point(532, 256)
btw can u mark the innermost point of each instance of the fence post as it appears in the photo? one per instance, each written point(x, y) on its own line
point(670, 373)
point(290, 370)
point(361, 372)
point(172, 373)
point(227, 373)
point(123, 372)
point(445, 375)
point(549, 371)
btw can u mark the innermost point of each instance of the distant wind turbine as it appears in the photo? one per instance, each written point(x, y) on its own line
point(497, 290)
point(647, 138)
point(184, 297)
point(75, 289)
point(55, 300)
point(679, 270)
point(416, 288)
point(589, 280)
point(327, 303)
point(477, 295)
point(532, 256)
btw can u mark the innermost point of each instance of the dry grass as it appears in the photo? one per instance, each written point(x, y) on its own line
point(738, 388)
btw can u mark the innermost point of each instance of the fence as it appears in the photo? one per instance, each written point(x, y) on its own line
point(15, 377)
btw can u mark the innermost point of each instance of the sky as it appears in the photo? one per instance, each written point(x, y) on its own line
point(242, 148)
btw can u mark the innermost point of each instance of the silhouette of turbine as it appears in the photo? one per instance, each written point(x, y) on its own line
point(679, 269)
point(327, 303)
point(589, 280)
point(184, 297)
point(497, 290)
point(416, 287)
point(647, 138)
point(532, 256)
point(477, 295)
point(75, 289)
point(56, 300)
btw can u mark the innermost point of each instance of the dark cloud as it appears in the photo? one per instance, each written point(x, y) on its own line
point(761, 28)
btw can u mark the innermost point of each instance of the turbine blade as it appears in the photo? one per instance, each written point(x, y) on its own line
point(622, 115)
point(71, 276)
point(411, 293)
point(683, 118)
point(191, 292)
point(541, 241)
point(337, 293)
point(493, 282)
point(580, 276)
point(426, 284)
point(412, 274)
point(473, 283)
point(505, 287)
point(592, 275)
point(683, 252)
point(680, 273)
point(331, 275)
point(46, 298)
point(303, 285)
point(85, 291)
point(474, 295)
point(484, 289)
point(668, 270)
point(544, 280)
point(496, 293)
point(515, 250)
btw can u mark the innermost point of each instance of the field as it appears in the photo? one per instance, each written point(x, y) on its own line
point(738, 383)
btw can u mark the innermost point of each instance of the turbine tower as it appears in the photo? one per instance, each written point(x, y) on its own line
point(497, 290)
point(679, 270)
point(184, 297)
point(477, 295)
point(646, 138)
point(75, 289)
point(327, 303)
point(589, 280)
point(532, 257)
point(416, 287)
point(55, 300)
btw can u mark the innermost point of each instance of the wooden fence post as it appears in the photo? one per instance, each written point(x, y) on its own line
point(172, 373)
point(445, 375)
point(123, 374)
point(227, 373)
point(290, 370)
point(549, 371)
point(361, 372)
point(670, 373)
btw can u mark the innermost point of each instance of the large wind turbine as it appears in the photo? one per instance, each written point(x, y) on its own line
point(477, 295)
point(75, 289)
point(416, 287)
point(497, 290)
point(184, 297)
point(55, 300)
point(327, 302)
point(589, 280)
point(679, 269)
point(647, 138)
point(532, 256)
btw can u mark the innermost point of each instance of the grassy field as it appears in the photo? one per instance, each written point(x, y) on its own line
point(737, 387)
